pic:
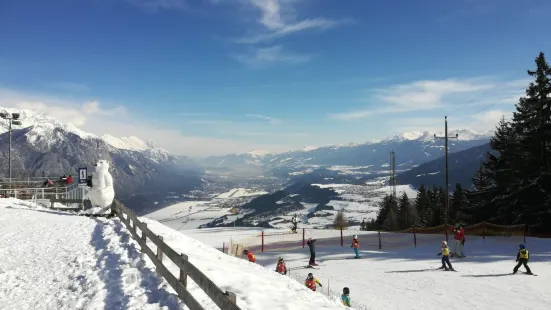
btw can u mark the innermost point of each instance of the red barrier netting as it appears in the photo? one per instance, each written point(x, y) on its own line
point(411, 237)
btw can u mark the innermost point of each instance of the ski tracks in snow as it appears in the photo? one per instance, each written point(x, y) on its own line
point(53, 260)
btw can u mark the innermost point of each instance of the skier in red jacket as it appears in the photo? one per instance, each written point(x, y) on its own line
point(250, 256)
point(281, 268)
point(459, 236)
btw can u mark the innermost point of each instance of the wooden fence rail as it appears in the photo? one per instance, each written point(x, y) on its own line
point(224, 300)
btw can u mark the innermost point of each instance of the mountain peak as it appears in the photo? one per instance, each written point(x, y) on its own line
point(41, 124)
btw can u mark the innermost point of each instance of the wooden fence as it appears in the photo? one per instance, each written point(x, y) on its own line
point(224, 300)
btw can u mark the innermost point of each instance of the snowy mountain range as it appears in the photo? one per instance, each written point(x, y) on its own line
point(411, 149)
point(43, 146)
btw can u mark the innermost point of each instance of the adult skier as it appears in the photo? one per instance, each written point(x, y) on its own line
point(312, 247)
point(356, 246)
point(459, 237)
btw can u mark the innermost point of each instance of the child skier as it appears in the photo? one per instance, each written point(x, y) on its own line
point(250, 256)
point(344, 297)
point(281, 268)
point(311, 282)
point(522, 259)
point(356, 246)
point(445, 252)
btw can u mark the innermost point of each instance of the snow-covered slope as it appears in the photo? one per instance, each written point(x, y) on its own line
point(402, 276)
point(53, 260)
point(99, 266)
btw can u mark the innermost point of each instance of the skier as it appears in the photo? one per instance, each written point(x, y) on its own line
point(459, 236)
point(250, 256)
point(311, 282)
point(312, 248)
point(356, 246)
point(445, 252)
point(522, 259)
point(281, 268)
point(345, 299)
point(295, 224)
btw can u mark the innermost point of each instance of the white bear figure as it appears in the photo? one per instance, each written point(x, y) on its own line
point(101, 193)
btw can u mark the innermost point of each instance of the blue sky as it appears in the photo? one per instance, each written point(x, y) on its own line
point(203, 77)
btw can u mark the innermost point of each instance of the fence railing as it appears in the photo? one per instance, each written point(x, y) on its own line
point(281, 241)
point(71, 191)
point(224, 300)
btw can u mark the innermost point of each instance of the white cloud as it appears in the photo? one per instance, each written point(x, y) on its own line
point(262, 57)
point(436, 94)
point(91, 117)
point(278, 18)
point(271, 120)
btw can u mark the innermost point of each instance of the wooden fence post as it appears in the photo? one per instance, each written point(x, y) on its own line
point(224, 247)
point(232, 297)
point(379, 233)
point(414, 237)
point(159, 255)
point(262, 248)
point(183, 274)
point(144, 237)
point(303, 237)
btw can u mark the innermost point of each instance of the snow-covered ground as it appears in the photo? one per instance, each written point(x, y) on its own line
point(56, 260)
point(400, 276)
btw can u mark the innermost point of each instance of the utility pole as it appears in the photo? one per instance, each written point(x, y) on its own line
point(446, 190)
point(393, 174)
point(13, 119)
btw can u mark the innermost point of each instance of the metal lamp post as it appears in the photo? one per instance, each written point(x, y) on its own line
point(13, 119)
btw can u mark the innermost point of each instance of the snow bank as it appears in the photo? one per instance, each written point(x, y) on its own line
point(57, 260)
point(255, 287)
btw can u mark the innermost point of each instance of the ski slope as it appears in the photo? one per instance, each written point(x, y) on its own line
point(405, 277)
point(57, 260)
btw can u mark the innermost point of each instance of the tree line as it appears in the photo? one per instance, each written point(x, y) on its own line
point(512, 185)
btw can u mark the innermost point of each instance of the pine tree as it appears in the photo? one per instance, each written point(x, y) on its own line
point(513, 185)
point(531, 191)
point(406, 216)
point(422, 205)
point(458, 205)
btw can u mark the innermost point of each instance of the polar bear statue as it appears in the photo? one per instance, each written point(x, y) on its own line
point(101, 193)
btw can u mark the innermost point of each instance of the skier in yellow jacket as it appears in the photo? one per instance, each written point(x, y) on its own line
point(522, 259)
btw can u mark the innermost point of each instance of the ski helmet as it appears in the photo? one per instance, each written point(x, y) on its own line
point(346, 291)
point(355, 236)
point(522, 246)
point(245, 251)
point(310, 275)
point(444, 243)
point(280, 259)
